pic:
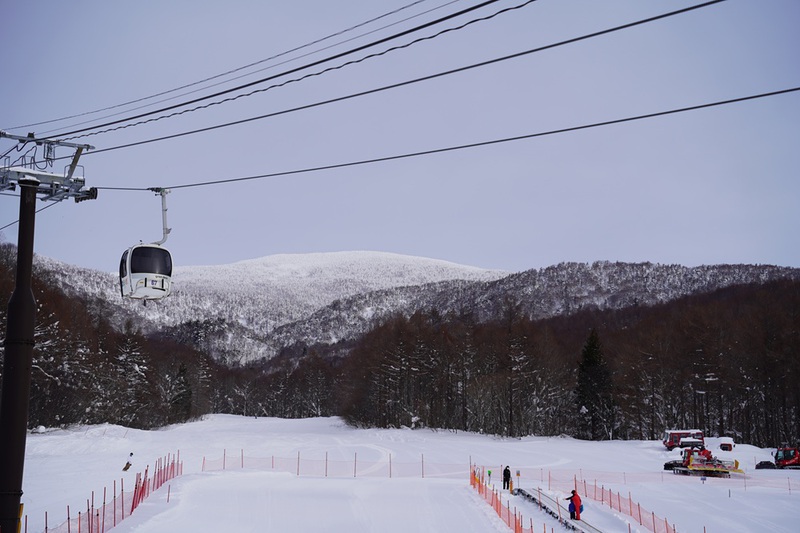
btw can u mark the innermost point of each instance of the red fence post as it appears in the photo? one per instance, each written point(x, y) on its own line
point(114, 517)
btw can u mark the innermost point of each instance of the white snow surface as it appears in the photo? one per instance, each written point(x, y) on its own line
point(66, 466)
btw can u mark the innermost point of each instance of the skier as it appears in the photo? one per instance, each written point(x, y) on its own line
point(574, 505)
point(128, 463)
point(506, 478)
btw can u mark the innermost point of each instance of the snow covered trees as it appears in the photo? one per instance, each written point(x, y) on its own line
point(447, 372)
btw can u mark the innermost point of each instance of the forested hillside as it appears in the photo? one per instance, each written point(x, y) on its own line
point(726, 362)
point(597, 351)
point(86, 371)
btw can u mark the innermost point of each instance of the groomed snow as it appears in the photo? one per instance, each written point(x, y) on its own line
point(64, 467)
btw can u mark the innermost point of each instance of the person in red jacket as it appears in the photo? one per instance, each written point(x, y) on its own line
point(706, 453)
point(574, 505)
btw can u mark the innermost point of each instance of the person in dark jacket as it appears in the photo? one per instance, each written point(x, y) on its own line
point(574, 505)
point(506, 478)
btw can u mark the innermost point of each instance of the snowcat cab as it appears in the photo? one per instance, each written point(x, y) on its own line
point(787, 457)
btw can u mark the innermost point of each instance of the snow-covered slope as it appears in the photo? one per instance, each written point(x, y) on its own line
point(283, 488)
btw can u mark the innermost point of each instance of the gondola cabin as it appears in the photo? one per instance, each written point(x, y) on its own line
point(145, 272)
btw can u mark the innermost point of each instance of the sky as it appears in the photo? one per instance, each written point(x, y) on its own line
point(709, 186)
point(283, 485)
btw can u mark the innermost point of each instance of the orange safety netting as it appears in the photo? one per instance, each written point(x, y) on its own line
point(509, 516)
point(99, 518)
point(642, 516)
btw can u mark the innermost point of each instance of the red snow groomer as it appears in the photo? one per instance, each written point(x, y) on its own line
point(700, 462)
point(785, 457)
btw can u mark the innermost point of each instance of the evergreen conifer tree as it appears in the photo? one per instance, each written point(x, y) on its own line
point(594, 392)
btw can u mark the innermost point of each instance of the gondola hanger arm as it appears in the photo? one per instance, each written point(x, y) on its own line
point(163, 192)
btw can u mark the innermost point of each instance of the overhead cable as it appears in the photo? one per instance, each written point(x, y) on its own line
point(306, 76)
point(450, 148)
point(69, 134)
point(412, 81)
point(223, 74)
point(471, 145)
point(48, 206)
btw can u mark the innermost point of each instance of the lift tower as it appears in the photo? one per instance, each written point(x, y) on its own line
point(19, 342)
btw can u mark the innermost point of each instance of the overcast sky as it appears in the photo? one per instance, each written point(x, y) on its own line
point(716, 185)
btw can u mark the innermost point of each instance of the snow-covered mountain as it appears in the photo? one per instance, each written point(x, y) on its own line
point(232, 309)
point(253, 309)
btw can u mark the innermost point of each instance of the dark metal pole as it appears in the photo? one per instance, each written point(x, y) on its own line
point(17, 367)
